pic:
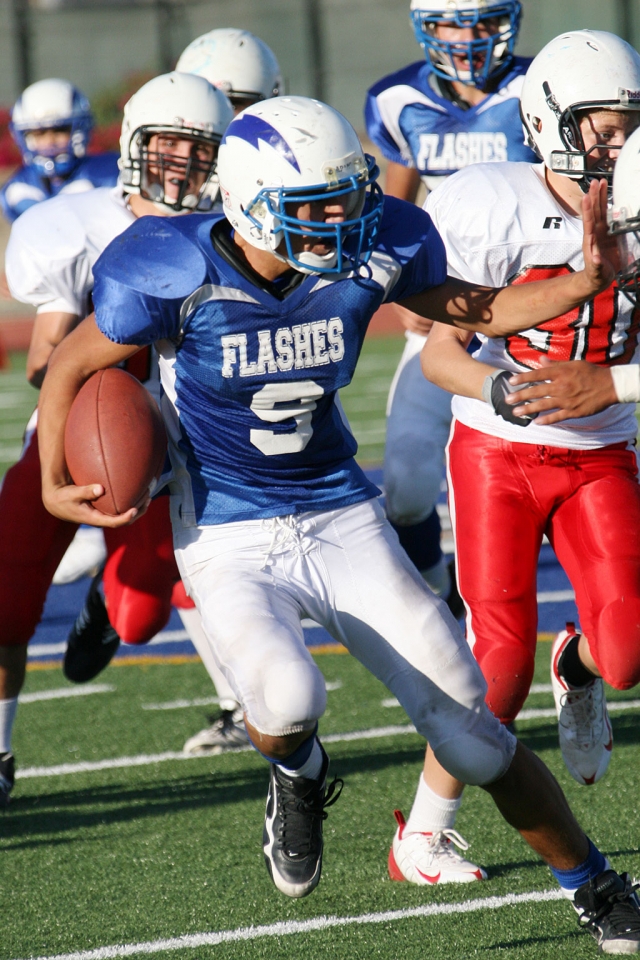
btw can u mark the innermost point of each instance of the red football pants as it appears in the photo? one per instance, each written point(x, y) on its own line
point(504, 496)
point(140, 574)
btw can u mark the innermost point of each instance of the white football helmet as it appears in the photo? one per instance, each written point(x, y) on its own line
point(187, 107)
point(624, 217)
point(295, 149)
point(236, 62)
point(580, 70)
point(492, 54)
point(52, 104)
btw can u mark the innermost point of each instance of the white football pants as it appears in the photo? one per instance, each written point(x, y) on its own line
point(418, 425)
point(254, 581)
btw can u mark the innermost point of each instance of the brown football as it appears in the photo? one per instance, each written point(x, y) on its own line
point(115, 436)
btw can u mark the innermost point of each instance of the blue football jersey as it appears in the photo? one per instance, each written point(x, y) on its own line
point(250, 381)
point(27, 187)
point(413, 125)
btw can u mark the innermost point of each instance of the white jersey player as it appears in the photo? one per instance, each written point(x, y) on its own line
point(167, 167)
point(514, 477)
point(262, 318)
point(580, 388)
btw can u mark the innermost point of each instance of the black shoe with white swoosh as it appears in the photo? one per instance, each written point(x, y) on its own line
point(292, 837)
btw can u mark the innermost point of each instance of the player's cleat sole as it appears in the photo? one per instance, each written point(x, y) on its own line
point(428, 859)
point(93, 642)
point(226, 732)
point(608, 908)
point(584, 728)
point(7, 778)
point(292, 836)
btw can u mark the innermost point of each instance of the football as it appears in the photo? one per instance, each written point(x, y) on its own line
point(115, 436)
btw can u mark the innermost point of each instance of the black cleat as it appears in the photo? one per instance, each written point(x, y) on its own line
point(292, 837)
point(92, 643)
point(609, 909)
point(7, 778)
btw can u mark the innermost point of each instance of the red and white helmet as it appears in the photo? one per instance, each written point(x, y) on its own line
point(235, 61)
point(187, 107)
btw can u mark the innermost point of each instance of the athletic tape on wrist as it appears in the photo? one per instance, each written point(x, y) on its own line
point(626, 382)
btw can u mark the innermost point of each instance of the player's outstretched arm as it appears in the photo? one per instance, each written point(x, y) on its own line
point(500, 312)
point(80, 355)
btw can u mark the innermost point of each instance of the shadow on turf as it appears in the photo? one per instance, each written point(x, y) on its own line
point(530, 941)
point(64, 810)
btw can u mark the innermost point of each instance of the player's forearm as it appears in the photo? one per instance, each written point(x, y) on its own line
point(523, 306)
point(499, 312)
point(446, 363)
point(49, 330)
point(81, 354)
point(62, 384)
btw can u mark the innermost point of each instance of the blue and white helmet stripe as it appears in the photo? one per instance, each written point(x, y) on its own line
point(295, 150)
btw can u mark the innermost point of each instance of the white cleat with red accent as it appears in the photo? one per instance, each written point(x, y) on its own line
point(430, 858)
point(584, 728)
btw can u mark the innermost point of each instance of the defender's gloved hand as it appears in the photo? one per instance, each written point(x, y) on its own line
point(494, 390)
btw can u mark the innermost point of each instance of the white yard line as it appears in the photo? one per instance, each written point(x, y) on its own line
point(145, 759)
point(290, 927)
point(63, 692)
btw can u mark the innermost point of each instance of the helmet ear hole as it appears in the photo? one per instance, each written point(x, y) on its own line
point(536, 123)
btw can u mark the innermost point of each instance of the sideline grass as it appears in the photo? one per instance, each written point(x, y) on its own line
point(130, 855)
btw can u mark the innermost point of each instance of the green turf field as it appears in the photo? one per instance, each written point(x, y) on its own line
point(130, 855)
point(17, 402)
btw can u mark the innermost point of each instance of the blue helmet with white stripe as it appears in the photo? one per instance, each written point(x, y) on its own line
point(473, 62)
point(52, 105)
point(286, 152)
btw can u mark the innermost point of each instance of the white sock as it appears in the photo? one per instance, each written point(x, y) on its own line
point(7, 716)
point(430, 812)
point(312, 766)
point(438, 578)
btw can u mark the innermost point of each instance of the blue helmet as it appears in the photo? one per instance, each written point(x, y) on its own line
point(52, 105)
point(287, 151)
point(487, 56)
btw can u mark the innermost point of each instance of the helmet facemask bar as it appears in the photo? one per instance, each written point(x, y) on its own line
point(628, 278)
point(150, 170)
point(494, 51)
point(574, 161)
point(352, 240)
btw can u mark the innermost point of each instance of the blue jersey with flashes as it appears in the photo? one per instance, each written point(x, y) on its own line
point(413, 124)
point(250, 378)
point(26, 187)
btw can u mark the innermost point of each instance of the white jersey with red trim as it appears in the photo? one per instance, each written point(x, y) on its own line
point(501, 224)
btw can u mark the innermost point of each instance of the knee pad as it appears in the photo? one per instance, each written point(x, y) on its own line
point(617, 644)
point(508, 670)
point(294, 697)
point(477, 759)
